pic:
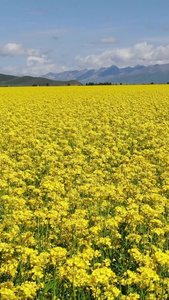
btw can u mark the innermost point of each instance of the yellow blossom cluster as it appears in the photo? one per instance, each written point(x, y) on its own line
point(84, 193)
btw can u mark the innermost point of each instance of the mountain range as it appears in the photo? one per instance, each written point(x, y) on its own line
point(129, 75)
point(157, 74)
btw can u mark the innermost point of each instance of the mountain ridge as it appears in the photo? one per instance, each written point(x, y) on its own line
point(158, 74)
point(139, 74)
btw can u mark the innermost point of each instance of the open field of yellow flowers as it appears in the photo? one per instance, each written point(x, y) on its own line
point(84, 193)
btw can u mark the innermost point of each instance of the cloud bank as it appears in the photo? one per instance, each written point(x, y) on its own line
point(142, 53)
point(38, 63)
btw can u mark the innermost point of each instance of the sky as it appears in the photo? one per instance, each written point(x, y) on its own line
point(42, 36)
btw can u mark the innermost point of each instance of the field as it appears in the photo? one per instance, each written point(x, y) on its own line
point(84, 193)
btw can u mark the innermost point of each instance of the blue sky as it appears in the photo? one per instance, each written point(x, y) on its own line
point(41, 36)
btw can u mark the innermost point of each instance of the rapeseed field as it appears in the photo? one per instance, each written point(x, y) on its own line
point(84, 193)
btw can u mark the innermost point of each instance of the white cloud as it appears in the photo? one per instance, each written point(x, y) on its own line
point(32, 68)
point(142, 53)
point(109, 40)
point(38, 59)
point(14, 49)
point(38, 65)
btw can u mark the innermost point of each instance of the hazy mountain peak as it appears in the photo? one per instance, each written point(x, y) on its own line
point(129, 75)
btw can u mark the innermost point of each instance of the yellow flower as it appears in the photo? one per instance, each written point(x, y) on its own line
point(27, 290)
point(57, 256)
point(7, 291)
point(84, 188)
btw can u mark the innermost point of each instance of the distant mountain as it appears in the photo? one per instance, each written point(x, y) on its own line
point(10, 80)
point(130, 75)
